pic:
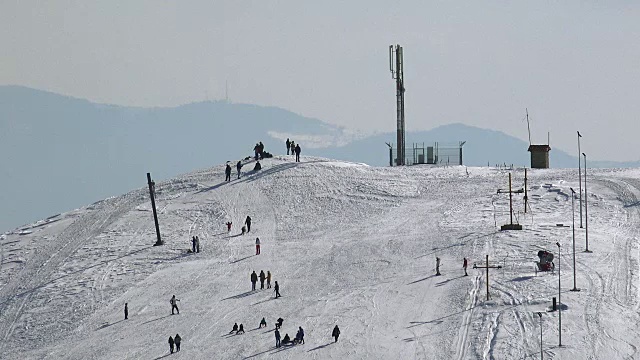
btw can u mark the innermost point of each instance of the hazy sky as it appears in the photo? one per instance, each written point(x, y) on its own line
point(574, 64)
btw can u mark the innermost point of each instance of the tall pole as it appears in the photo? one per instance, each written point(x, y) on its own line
point(559, 300)
point(487, 267)
point(153, 205)
point(586, 218)
point(510, 201)
point(525, 191)
point(580, 178)
point(541, 353)
point(573, 228)
point(397, 73)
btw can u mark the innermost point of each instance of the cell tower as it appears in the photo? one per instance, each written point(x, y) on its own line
point(396, 66)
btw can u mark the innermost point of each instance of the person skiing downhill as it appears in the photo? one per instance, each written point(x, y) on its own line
point(288, 143)
point(262, 277)
point(227, 173)
point(238, 167)
point(258, 247)
point(254, 280)
point(174, 304)
point(268, 279)
point(247, 221)
point(171, 343)
point(335, 333)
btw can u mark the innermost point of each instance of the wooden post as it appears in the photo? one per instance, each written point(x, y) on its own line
point(487, 267)
point(153, 205)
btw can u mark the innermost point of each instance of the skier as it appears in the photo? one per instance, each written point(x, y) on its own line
point(174, 304)
point(227, 173)
point(177, 339)
point(276, 289)
point(234, 329)
point(268, 279)
point(288, 143)
point(240, 330)
point(238, 167)
point(229, 223)
point(277, 338)
point(464, 266)
point(300, 335)
point(193, 242)
point(171, 342)
point(438, 266)
point(263, 323)
point(262, 277)
point(248, 223)
point(197, 244)
point(279, 323)
point(297, 149)
point(257, 246)
point(126, 311)
point(335, 333)
point(254, 280)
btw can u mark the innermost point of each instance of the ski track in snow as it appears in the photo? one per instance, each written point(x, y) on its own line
point(350, 245)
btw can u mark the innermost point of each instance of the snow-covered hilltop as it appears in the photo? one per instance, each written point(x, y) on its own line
point(350, 245)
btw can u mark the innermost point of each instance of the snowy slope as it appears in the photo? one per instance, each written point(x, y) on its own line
point(349, 244)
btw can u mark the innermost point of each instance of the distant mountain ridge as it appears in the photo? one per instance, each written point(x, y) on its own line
point(91, 151)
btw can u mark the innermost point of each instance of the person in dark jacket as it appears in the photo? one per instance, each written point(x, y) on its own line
point(234, 329)
point(240, 330)
point(227, 173)
point(193, 243)
point(297, 149)
point(288, 143)
point(258, 247)
point(263, 323)
point(171, 342)
point(268, 279)
point(257, 166)
point(286, 339)
point(238, 167)
point(335, 333)
point(197, 244)
point(279, 323)
point(177, 339)
point(174, 304)
point(293, 147)
point(247, 221)
point(254, 280)
point(300, 336)
point(277, 338)
point(260, 149)
point(262, 277)
point(276, 288)
point(126, 311)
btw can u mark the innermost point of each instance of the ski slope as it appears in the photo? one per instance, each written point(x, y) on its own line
point(350, 245)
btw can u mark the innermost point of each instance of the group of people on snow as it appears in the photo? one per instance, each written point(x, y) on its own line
point(174, 341)
point(294, 148)
point(254, 279)
point(258, 150)
point(195, 244)
point(464, 266)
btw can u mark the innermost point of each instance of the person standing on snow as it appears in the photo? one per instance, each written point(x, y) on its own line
point(297, 149)
point(268, 279)
point(238, 167)
point(437, 266)
point(234, 329)
point(335, 333)
point(276, 288)
point(288, 143)
point(193, 243)
point(197, 244)
point(464, 266)
point(277, 338)
point(174, 304)
point(293, 147)
point(257, 246)
point(229, 223)
point(177, 339)
point(254, 280)
point(227, 173)
point(248, 223)
point(171, 342)
point(262, 277)
point(126, 311)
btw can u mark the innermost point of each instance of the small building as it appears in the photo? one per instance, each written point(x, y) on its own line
point(539, 156)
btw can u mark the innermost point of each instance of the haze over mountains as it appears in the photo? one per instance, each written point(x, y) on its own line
point(87, 151)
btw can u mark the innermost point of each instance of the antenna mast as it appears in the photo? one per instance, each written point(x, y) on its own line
point(397, 72)
point(528, 127)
